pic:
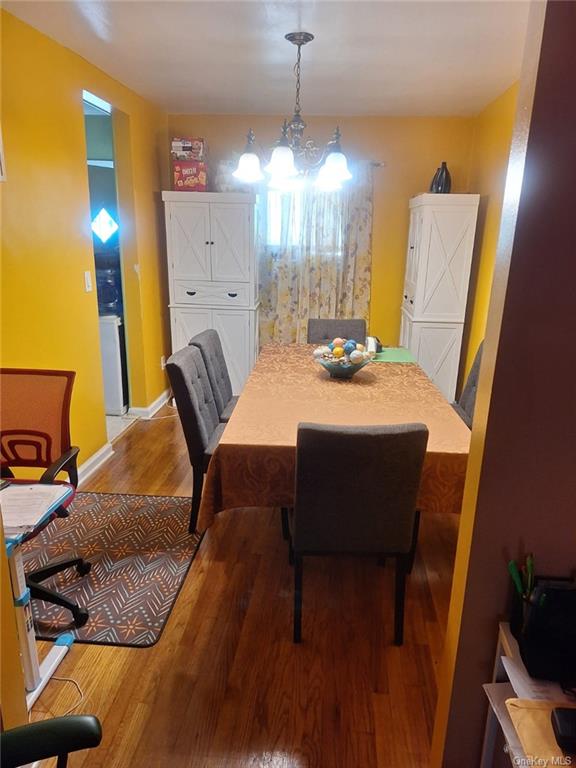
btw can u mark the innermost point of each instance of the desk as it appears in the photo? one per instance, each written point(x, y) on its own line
point(254, 463)
point(36, 675)
point(499, 691)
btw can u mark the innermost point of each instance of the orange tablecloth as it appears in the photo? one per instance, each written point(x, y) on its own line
point(253, 465)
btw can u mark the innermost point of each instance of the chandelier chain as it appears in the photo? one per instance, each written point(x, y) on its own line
point(297, 73)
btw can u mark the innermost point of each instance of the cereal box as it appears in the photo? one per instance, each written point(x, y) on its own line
point(189, 176)
point(187, 148)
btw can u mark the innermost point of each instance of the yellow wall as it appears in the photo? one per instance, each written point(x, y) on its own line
point(489, 161)
point(412, 149)
point(48, 320)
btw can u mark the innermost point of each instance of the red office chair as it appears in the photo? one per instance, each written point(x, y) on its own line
point(35, 432)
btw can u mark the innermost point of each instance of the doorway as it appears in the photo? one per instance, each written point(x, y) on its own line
point(105, 226)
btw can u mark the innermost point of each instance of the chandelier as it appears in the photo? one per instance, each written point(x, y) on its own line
point(295, 158)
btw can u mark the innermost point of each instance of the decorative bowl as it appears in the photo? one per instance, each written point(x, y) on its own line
point(339, 370)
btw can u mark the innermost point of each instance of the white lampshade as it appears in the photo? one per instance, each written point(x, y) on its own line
point(281, 165)
point(248, 170)
point(327, 181)
point(336, 167)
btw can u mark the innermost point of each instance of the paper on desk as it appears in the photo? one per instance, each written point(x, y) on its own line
point(24, 506)
point(526, 687)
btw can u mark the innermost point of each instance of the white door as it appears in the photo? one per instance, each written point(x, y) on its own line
point(415, 237)
point(187, 322)
point(436, 346)
point(189, 240)
point(234, 330)
point(230, 241)
point(444, 276)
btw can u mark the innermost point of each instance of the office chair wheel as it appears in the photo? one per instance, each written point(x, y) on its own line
point(81, 616)
point(83, 568)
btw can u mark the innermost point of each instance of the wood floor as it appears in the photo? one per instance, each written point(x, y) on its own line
point(225, 686)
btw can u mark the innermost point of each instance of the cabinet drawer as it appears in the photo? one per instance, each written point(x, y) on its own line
point(211, 294)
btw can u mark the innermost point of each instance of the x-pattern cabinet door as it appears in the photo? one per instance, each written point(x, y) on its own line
point(230, 241)
point(189, 241)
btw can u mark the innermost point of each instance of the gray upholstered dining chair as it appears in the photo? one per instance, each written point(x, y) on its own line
point(383, 464)
point(209, 344)
point(198, 416)
point(464, 406)
point(326, 330)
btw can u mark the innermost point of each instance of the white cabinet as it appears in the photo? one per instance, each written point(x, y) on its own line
point(212, 274)
point(438, 261)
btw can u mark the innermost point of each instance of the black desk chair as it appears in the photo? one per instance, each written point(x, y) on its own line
point(198, 416)
point(379, 519)
point(209, 344)
point(49, 738)
point(325, 330)
point(35, 433)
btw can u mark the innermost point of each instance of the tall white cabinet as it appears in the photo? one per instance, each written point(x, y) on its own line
point(440, 246)
point(212, 273)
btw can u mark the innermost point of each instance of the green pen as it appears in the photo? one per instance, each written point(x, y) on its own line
point(515, 574)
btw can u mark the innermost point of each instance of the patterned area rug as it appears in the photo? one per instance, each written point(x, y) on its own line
point(140, 551)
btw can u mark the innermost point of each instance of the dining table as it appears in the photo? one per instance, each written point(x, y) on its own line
point(254, 463)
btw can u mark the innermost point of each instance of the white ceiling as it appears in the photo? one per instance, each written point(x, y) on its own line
point(418, 57)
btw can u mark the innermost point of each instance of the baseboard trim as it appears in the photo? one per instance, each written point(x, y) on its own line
point(86, 469)
point(147, 413)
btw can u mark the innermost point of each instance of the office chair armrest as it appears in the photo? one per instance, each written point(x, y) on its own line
point(65, 463)
point(49, 738)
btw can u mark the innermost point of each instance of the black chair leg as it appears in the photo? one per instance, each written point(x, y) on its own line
point(197, 485)
point(298, 567)
point(400, 594)
point(62, 761)
point(39, 592)
point(285, 524)
point(415, 530)
point(57, 566)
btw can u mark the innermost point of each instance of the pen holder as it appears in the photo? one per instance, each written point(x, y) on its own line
point(544, 624)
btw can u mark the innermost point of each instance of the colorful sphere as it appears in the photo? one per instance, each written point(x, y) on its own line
point(360, 347)
point(356, 357)
point(349, 347)
point(331, 346)
point(338, 342)
point(318, 352)
point(338, 352)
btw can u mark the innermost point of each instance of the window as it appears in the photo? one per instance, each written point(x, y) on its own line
point(305, 218)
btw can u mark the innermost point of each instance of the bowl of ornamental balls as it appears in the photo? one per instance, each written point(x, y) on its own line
point(342, 358)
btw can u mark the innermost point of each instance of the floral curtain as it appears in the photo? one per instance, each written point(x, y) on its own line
point(315, 256)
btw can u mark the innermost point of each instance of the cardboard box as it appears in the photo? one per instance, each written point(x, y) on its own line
point(187, 148)
point(188, 176)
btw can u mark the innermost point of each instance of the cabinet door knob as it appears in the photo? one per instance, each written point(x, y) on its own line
point(232, 295)
point(211, 242)
point(411, 301)
point(191, 293)
point(405, 296)
point(207, 242)
point(411, 247)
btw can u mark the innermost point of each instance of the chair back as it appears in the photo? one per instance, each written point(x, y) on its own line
point(34, 416)
point(194, 399)
point(467, 399)
point(326, 330)
point(356, 487)
point(209, 344)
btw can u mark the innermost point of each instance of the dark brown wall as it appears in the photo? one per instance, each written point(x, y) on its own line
point(527, 490)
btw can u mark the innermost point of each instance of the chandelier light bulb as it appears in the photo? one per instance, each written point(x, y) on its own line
point(248, 170)
point(281, 165)
point(337, 166)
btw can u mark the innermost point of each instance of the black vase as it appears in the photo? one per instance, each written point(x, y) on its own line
point(444, 180)
point(434, 181)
